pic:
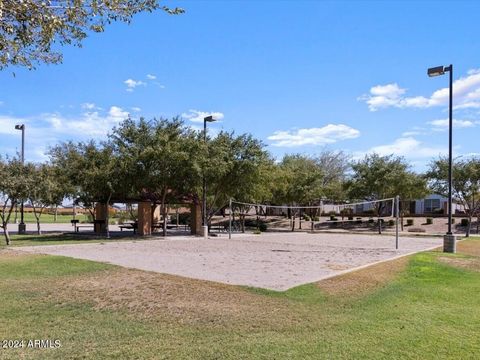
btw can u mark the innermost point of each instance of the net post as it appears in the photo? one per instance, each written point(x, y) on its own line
point(397, 212)
point(230, 218)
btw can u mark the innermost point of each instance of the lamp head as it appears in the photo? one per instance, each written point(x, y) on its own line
point(437, 71)
point(209, 119)
point(20, 127)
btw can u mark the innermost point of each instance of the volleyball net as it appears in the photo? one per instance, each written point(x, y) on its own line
point(369, 217)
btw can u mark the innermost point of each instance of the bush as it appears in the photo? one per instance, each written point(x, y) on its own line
point(350, 218)
point(257, 232)
point(306, 217)
point(464, 222)
point(429, 221)
point(183, 219)
point(371, 221)
point(262, 227)
point(413, 229)
point(316, 218)
point(391, 222)
point(332, 217)
point(409, 222)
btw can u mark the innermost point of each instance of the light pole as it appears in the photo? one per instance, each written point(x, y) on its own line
point(204, 195)
point(21, 226)
point(449, 240)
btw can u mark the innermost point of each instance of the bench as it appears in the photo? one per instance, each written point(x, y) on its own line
point(219, 228)
point(129, 226)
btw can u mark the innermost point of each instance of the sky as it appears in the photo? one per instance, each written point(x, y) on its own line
point(302, 76)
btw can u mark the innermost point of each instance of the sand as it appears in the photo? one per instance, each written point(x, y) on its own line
point(276, 261)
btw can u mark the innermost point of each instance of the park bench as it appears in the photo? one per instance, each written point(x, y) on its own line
point(219, 228)
point(129, 226)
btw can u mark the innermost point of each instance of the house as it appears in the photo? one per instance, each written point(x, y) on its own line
point(434, 204)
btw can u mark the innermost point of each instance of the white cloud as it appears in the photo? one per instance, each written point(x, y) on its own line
point(88, 106)
point(151, 77)
point(7, 124)
point(408, 147)
point(132, 84)
point(466, 94)
point(198, 116)
point(88, 124)
point(442, 124)
point(328, 134)
point(136, 109)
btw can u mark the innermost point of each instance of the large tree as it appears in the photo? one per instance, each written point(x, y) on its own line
point(234, 166)
point(91, 170)
point(31, 29)
point(300, 181)
point(157, 160)
point(13, 189)
point(44, 189)
point(465, 184)
point(378, 177)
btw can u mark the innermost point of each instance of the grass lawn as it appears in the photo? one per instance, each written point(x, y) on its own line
point(29, 217)
point(59, 239)
point(422, 307)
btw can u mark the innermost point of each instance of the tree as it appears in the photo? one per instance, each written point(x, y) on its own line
point(379, 177)
point(30, 28)
point(157, 158)
point(92, 172)
point(44, 189)
point(234, 167)
point(301, 181)
point(334, 165)
point(465, 184)
point(13, 189)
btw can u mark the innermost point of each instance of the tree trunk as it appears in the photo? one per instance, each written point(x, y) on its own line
point(5, 232)
point(39, 231)
point(469, 226)
point(55, 214)
point(293, 222)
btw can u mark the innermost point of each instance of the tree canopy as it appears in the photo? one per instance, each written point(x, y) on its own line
point(31, 29)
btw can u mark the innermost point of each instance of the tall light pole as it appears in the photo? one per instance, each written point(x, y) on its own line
point(204, 195)
point(449, 240)
point(21, 226)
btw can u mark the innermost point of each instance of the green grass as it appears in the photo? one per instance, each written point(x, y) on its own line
point(29, 217)
point(430, 311)
point(59, 239)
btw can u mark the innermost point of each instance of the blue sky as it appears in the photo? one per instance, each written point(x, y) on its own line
point(303, 76)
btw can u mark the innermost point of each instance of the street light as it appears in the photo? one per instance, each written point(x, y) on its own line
point(204, 195)
point(21, 226)
point(449, 239)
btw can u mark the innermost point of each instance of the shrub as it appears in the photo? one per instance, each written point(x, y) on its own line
point(257, 232)
point(391, 222)
point(306, 217)
point(371, 221)
point(332, 217)
point(183, 218)
point(316, 218)
point(464, 222)
point(416, 229)
point(262, 227)
point(429, 221)
point(409, 222)
point(350, 218)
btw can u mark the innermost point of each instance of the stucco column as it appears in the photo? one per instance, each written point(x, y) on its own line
point(144, 218)
point(101, 214)
point(196, 219)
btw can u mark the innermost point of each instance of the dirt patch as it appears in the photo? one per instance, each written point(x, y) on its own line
point(363, 281)
point(171, 298)
point(464, 263)
point(469, 247)
point(9, 254)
